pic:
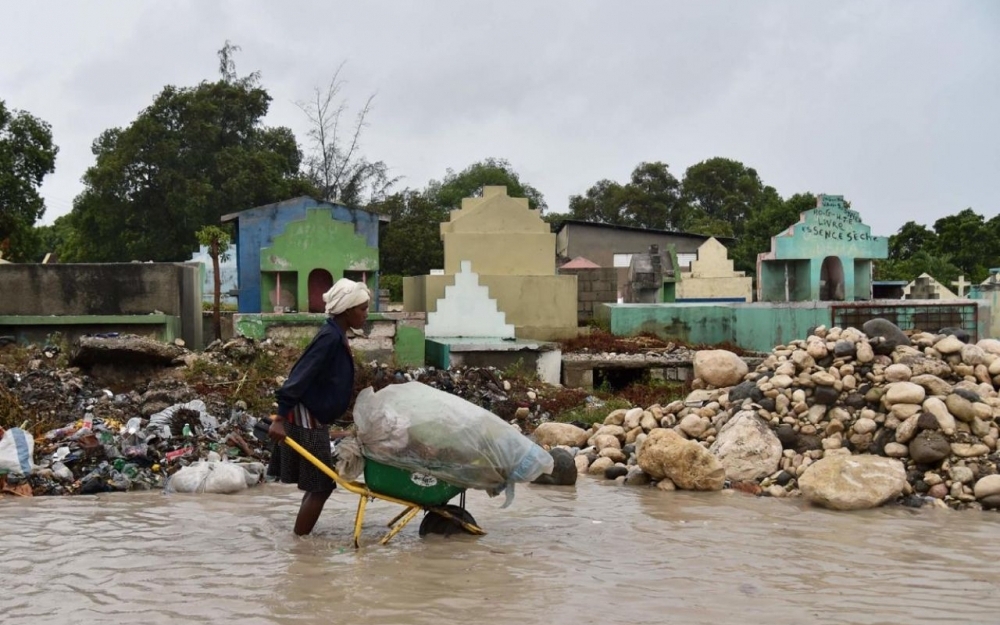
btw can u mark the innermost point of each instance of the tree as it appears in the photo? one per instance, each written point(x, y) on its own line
point(968, 242)
point(911, 239)
point(727, 190)
point(449, 192)
point(335, 164)
point(27, 155)
point(194, 155)
point(651, 199)
point(922, 261)
point(771, 219)
point(410, 244)
point(217, 241)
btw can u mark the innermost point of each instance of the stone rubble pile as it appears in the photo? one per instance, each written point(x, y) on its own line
point(847, 418)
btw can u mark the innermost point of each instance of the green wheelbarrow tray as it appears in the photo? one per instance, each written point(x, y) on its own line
point(413, 491)
point(419, 488)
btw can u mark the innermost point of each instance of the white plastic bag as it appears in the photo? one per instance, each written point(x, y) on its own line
point(208, 476)
point(416, 427)
point(17, 450)
point(350, 461)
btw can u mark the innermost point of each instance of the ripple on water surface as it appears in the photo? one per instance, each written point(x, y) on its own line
point(597, 553)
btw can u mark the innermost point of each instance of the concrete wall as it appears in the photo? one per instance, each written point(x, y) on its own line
point(316, 242)
point(539, 307)
point(518, 254)
point(91, 289)
point(38, 328)
point(599, 243)
point(389, 337)
point(499, 235)
point(257, 228)
point(93, 295)
point(761, 326)
point(594, 287)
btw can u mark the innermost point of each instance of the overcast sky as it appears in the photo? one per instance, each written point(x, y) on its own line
point(895, 105)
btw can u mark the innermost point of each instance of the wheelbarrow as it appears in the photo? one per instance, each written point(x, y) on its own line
point(413, 491)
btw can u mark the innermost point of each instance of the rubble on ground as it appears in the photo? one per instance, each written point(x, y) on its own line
point(100, 424)
point(847, 418)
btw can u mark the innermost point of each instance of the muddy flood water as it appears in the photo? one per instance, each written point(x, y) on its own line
point(597, 553)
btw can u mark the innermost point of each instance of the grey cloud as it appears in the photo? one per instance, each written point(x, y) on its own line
point(891, 104)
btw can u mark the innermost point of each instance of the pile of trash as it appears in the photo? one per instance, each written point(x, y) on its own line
point(63, 433)
point(122, 413)
point(97, 454)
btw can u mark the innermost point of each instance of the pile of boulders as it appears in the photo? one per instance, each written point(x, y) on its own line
point(847, 418)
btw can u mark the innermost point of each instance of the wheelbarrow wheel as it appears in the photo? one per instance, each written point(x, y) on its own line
point(435, 523)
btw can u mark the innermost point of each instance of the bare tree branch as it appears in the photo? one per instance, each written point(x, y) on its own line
point(340, 171)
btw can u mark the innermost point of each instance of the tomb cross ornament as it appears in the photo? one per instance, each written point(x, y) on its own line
point(960, 284)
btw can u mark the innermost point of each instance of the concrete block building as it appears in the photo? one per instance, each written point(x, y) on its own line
point(291, 252)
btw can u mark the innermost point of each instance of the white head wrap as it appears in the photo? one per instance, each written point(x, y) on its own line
point(345, 294)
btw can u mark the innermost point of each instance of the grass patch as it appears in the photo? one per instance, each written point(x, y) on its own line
point(645, 394)
point(589, 414)
point(519, 371)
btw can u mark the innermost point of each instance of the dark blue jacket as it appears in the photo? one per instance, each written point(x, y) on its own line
point(322, 379)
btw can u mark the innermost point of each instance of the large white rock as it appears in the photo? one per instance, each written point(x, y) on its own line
point(932, 384)
point(990, 346)
point(987, 486)
point(904, 393)
point(949, 345)
point(844, 482)
point(665, 453)
point(960, 407)
point(694, 425)
point(973, 355)
point(747, 448)
point(552, 434)
point(865, 353)
point(719, 367)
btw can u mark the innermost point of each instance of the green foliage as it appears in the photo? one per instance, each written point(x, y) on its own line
point(449, 192)
point(961, 244)
point(194, 155)
point(651, 199)
point(394, 283)
point(216, 239)
point(968, 242)
point(910, 239)
point(923, 261)
point(728, 191)
point(410, 244)
point(27, 155)
point(223, 307)
point(770, 219)
point(519, 370)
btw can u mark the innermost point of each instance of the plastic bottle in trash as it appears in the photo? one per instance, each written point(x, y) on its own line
point(187, 430)
point(62, 472)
